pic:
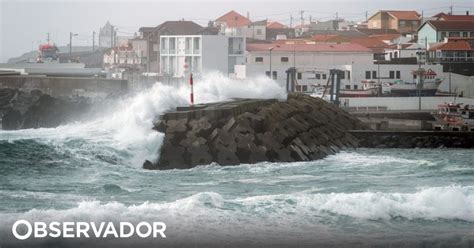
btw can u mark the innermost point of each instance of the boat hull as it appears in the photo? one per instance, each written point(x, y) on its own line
point(358, 93)
point(411, 92)
point(429, 89)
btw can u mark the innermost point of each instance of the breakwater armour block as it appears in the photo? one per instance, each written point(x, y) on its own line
point(302, 128)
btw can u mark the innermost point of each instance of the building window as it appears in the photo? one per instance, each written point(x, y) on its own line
point(348, 87)
point(305, 88)
point(259, 32)
point(274, 75)
point(324, 76)
point(258, 59)
point(343, 75)
point(284, 59)
point(454, 34)
point(348, 75)
point(299, 75)
point(403, 23)
point(374, 74)
point(298, 88)
point(267, 73)
point(443, 35)
point(356, 87)
point(172, 45)
point(471, 34)
point(196, 45)
point(464, 34)
point(318, 76)
point(367, 74)
point(398, 74)
point(392, 75)
point(414, 23)
point(188, 44)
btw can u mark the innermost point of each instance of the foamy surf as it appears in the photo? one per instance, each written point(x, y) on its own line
point(434, 203)
point(127, 126)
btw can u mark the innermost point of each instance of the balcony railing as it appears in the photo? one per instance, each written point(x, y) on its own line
point(238, 52)
point(453, 59)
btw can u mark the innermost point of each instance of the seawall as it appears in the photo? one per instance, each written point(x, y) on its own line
point(302, 128)
point(65, 86)
point(413, 139)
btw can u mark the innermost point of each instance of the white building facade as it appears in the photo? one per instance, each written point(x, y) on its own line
point(307, 58)
point(313, 64)
point(180, 54)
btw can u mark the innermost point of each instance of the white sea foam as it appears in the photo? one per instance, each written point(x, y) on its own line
point(128, 126)
point(356, 159)
point(451, 203)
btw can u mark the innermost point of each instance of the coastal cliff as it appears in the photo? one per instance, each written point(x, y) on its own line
point(302, 128)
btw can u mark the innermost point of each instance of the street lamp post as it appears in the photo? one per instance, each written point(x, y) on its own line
point(270, 50)
point(420, 74)
point(70, 44)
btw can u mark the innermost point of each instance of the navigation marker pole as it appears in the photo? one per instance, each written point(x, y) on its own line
point(192, 89)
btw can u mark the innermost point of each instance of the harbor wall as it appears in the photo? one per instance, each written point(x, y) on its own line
point(369, 104)
point(413, 139)
point(66, 86)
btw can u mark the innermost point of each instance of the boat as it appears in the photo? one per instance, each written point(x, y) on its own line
point(47, 52)
point(429, 86)
point(369, 88)
point(454, 117)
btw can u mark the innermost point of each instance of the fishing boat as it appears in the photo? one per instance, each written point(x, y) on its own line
point(369, 88)
point(47, 52)
point(454, 117)
point(429, 86)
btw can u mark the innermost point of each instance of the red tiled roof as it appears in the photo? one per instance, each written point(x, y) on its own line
point(404, 15)
point(275, 25)
point(233, 19)
point(452, 25)
point(293, 41)
point(308, 48)
point(455, 45)
point(445, 17)
point(330, 38)
point(371, 43)
point(383, 37)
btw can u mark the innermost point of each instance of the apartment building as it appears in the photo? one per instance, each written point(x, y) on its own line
point(181, 54)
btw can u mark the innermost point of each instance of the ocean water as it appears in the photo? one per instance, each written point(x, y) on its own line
point(91, 171)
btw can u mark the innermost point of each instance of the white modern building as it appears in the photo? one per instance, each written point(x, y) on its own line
point(308, 57)
point(180, 54)
point(314, 61)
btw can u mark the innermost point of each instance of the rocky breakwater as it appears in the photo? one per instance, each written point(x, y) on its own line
point(21, 110)
point(302, 128)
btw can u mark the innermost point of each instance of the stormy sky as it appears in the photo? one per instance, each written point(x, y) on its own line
point(25, 24)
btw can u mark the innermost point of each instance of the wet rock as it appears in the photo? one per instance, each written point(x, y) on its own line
point(20, 110)
point(300, 129)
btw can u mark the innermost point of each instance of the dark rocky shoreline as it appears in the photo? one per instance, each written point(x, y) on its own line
point(302, 128)
point(22, 110)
